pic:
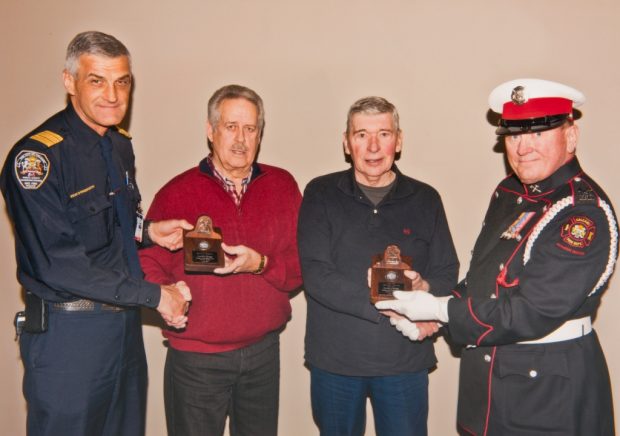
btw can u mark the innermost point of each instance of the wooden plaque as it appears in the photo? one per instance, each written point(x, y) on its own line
point(388, 274)
point(203, 247)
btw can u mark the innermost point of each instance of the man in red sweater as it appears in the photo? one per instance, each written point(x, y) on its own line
point(226, 362)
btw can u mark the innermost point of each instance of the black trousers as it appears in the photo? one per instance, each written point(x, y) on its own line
point(201, 390)
point(86, 375)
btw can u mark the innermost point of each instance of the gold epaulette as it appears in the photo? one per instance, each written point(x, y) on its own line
point(47, 138)
point(123, 132)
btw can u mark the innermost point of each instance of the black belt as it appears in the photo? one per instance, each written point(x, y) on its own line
point(35, 317)
point(84, 305)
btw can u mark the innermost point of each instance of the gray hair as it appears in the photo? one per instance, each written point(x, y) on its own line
point(93, 43)
point(231, 92)
point(372, 106)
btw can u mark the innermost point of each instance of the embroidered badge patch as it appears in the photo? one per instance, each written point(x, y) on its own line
point(578, 232)
point(31, 169)
point(514, 230)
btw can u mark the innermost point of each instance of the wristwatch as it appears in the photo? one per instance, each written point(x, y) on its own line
point(146, 239)
point(261, 265)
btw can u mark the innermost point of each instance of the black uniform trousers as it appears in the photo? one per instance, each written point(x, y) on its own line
point(86, 375)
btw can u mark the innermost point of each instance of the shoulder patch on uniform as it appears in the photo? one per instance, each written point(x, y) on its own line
point(578, 232)
point(123, 132)
point(31, 169)
point(47, 138)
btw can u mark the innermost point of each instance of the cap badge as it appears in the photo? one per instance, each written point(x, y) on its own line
point(518, 95)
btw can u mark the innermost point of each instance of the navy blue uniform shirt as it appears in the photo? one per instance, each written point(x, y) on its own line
point(68, 243)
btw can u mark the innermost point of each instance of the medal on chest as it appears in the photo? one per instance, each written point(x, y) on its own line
point(514, 230)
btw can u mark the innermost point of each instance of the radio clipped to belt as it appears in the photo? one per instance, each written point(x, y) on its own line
point(34, 318)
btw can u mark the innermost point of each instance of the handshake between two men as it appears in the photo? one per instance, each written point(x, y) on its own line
point(174, 301)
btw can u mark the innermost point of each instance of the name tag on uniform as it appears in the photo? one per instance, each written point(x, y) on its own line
point(139, 226)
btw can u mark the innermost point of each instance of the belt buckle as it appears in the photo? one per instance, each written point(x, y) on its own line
point(82, 305)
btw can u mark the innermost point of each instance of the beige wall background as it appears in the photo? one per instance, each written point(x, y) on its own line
point(437, 61)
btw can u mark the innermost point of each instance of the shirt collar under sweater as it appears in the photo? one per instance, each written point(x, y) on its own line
point(206, 167)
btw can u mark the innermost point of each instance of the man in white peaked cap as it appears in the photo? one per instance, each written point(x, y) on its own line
point(531, 362)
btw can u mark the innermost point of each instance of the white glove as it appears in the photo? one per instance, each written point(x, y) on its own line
point(406, 327)
point(417, 306)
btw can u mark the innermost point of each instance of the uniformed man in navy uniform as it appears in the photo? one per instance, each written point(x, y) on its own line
point(71, 193)
point(532, 364)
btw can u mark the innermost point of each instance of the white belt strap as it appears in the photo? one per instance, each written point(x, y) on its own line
point(571, 329)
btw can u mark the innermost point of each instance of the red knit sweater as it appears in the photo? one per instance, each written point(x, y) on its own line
point(231, 312)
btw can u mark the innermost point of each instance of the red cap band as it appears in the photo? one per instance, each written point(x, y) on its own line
point(537, 108)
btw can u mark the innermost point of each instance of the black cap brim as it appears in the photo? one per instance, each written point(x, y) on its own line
point(531, 125)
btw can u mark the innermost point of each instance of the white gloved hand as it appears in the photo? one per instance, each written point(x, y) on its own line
point(417, 306)
point(406, 327)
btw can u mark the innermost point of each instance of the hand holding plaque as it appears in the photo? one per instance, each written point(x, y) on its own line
point(388, 274)
point(203, 247)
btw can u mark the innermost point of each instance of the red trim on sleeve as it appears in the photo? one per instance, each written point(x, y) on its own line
point(473, 315)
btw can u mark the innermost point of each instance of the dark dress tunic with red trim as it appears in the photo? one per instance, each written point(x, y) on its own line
point(543, 257)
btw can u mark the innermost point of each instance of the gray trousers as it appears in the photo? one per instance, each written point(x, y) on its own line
point(202, 389)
